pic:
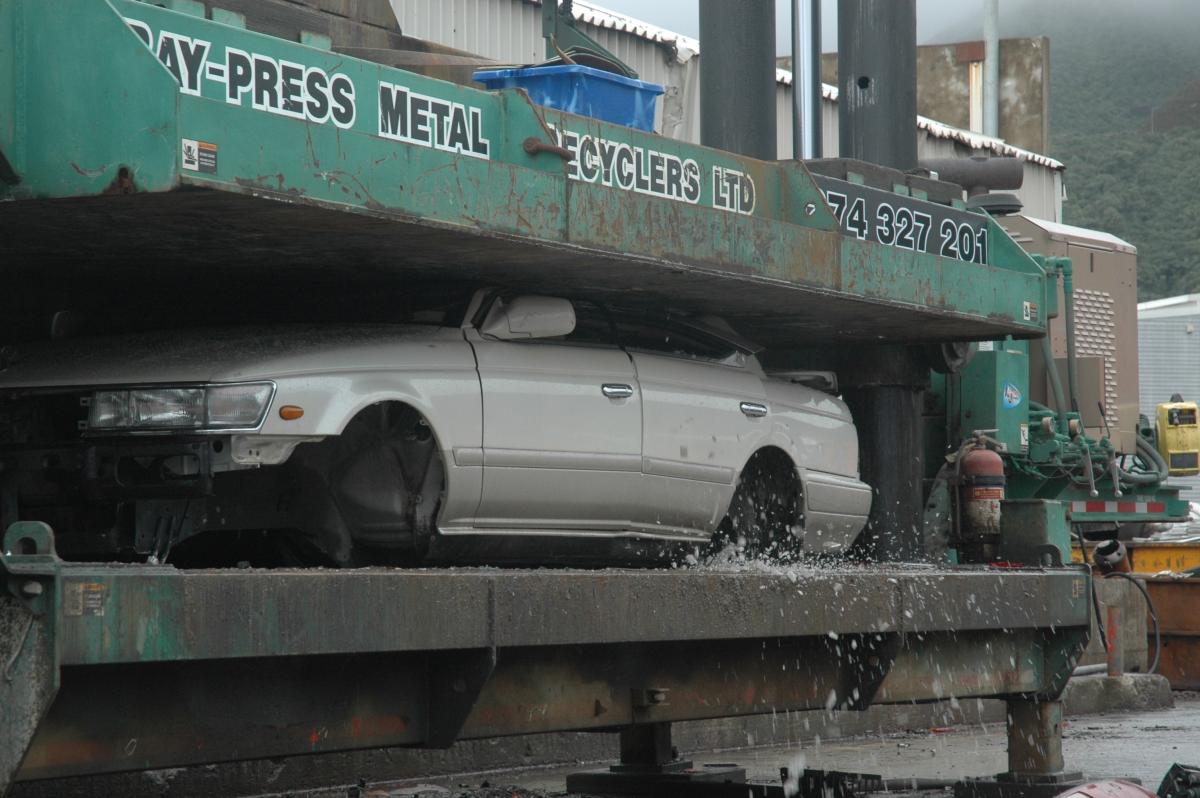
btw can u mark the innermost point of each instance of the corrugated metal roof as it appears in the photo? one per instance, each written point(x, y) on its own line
point(1182, 305)
point(1084, 236)
point(941, 130)
point(684, 46)
point(979, 141)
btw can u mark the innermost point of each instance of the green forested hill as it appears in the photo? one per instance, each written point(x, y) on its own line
point(1145, 188)
point(1125, 118)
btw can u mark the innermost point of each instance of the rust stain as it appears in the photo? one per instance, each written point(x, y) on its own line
point(312, 151)
point(122, 183)
point(262, 183)
point(370, 201)
point(88, 172)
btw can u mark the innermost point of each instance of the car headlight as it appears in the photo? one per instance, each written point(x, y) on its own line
point(212, 407)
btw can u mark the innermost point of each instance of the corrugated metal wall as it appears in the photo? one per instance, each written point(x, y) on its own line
point(1169, 362)
point(510, 32)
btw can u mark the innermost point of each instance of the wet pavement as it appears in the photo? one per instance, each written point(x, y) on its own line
point(1141, 745)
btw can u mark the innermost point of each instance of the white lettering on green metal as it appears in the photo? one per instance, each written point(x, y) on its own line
point(266, 84)
point(642, 170)
point(406, 115)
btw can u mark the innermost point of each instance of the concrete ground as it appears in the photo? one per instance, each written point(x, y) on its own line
point(1140, 745)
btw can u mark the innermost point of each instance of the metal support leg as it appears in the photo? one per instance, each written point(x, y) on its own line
point(648, 762)
point(648, 747)
point(1035, 757)
point(1116, 646)
point(1035, 738)
point(884, 392)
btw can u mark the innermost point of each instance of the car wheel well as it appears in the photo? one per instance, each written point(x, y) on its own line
point(766, 514)
point(380, 485)
point(398, 415)
point(777, 461)
point(381, 412)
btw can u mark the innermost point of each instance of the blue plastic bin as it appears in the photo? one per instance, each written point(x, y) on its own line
point(582, 90)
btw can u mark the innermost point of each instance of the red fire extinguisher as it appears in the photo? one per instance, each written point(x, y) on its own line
point(980, 491)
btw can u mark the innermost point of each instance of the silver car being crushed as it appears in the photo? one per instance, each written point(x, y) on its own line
point(536, 430)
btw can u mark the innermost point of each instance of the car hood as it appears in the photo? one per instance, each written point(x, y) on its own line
point(214, 355)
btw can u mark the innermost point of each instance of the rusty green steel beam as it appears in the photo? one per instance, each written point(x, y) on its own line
point(162, 668)
point(143, 614)
point(271, 663)
point(348, 143)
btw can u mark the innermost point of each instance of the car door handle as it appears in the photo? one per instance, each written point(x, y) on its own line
point(616, 390)
point(754, 409)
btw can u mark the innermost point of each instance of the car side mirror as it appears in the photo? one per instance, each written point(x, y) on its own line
point(529, 317)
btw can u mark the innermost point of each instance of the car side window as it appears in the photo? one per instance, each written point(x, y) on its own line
point(665, 339)
point(593, 327)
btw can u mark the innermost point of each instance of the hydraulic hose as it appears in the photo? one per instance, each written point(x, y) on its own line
point(1153, 458)
point(1151, 455)
point(1149, 452)
point(1056, 388)
point(1083, 553)
point(1064, 266)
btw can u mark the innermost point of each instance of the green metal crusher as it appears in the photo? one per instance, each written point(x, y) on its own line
point(1061, 483)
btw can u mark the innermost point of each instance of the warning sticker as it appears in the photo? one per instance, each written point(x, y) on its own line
point(83, 598)
point(198, 156)
point(1029, 311)
point(1010, 396)
point(987, 493)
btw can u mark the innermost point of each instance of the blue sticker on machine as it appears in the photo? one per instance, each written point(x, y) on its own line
point(1011, 396)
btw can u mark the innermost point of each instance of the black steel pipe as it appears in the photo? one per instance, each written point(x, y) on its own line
point(884, 389)
point(979, 175)
point(737, 77)
point(877, 81)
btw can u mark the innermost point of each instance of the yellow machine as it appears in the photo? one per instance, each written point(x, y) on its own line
point(1179, 437)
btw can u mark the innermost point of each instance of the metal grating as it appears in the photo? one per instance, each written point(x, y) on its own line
point(1095, 336)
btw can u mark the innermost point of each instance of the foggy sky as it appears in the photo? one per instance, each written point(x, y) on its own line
point(683, 16)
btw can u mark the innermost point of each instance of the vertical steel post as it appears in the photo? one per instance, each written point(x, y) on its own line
point(884, 389)
point(991, 67)
point(737, 77)
point(1115, 656)
point(877, 114)
point(806, 79)
point(1034, 738)
point(647, 745)
point(877, 81)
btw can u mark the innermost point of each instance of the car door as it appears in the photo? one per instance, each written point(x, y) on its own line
point(703, 414)
point(562, 430)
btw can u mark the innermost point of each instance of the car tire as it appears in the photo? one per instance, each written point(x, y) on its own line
point(766, 515)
